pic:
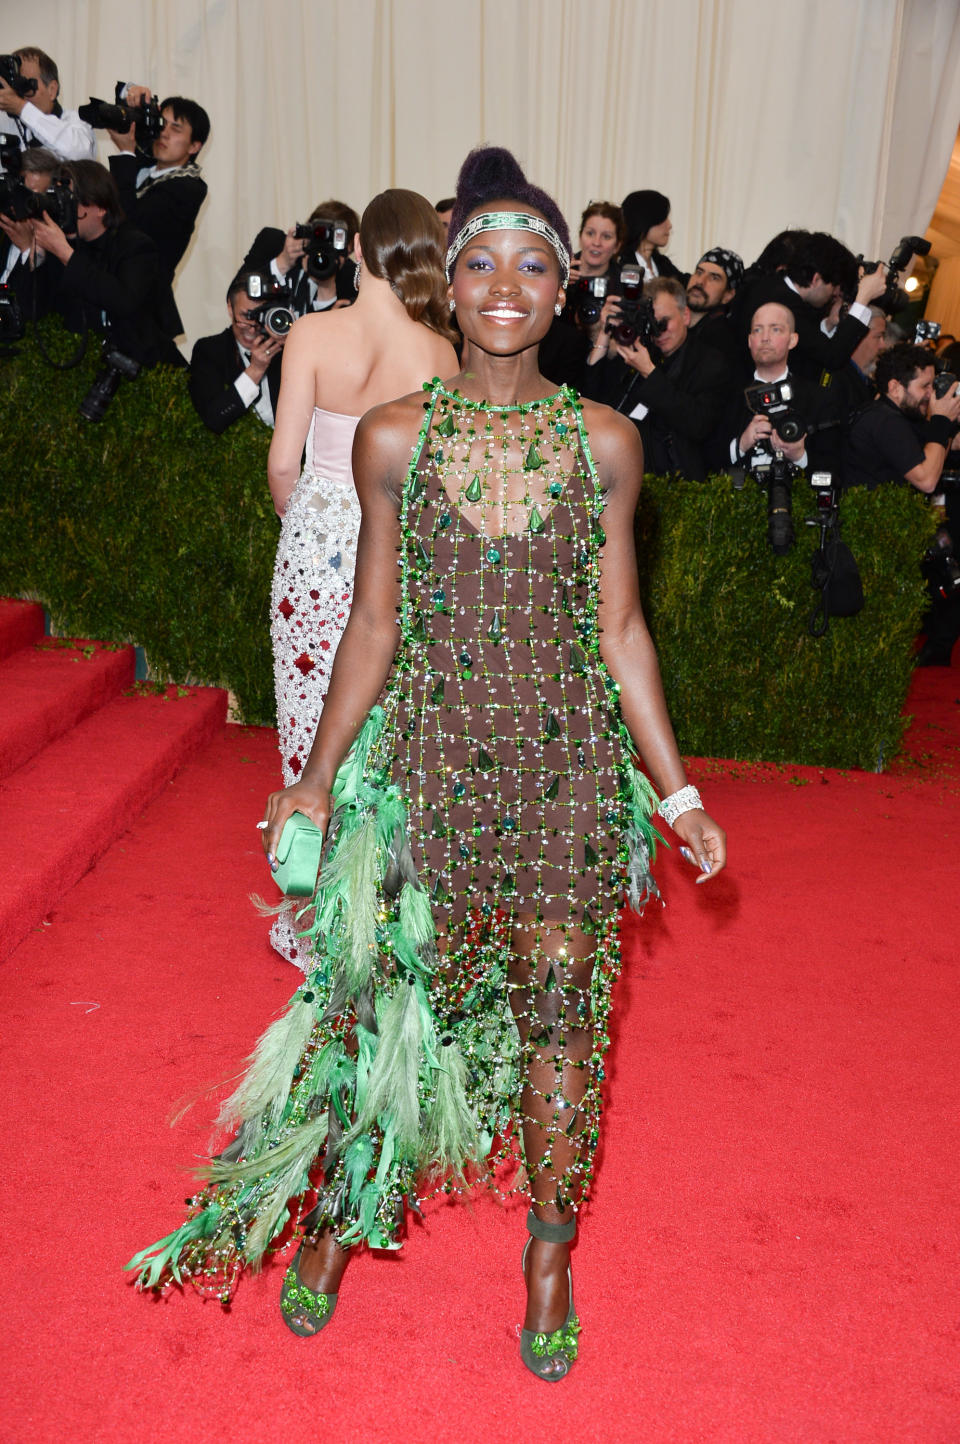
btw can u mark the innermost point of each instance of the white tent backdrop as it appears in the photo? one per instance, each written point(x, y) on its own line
point(750, 114)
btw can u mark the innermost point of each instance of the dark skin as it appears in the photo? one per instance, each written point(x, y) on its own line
point(505, 286)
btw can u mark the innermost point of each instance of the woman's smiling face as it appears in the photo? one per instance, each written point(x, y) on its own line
point(505, 285)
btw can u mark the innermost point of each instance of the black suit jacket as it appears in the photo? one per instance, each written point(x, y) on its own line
point(815, 352)
point(119, 276)
point(166, 211)
point(214, 366)
point(686, 396)
point(820, 409)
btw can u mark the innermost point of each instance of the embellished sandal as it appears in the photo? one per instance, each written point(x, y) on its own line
point(300, 1305)
point(543, 1353)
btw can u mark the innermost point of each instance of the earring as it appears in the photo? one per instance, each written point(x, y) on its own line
point(356, 276)
point(452, 304)
point(557, 309)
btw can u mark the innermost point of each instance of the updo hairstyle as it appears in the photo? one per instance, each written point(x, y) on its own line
point(402, 239)
point(491, 173)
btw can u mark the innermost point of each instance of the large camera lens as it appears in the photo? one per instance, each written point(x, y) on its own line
point(277, 320)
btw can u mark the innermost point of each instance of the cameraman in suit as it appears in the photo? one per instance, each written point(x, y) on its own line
point(773, 343)
point(162, 194)
point(287, 259)
point(238, 369)
point(819, 273)
point(675, 393)
point(107, 277)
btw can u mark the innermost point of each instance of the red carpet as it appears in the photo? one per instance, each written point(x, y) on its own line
point(770, 1255)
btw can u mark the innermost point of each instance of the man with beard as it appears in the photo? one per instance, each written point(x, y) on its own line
point(906, 433)
point(710, 293)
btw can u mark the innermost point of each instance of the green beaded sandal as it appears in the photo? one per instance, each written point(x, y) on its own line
point(542, 1353)
point(297, 1302)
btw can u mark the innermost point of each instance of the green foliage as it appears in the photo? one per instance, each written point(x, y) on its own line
point(147, 528)
point(742, 675)
point(144, 527)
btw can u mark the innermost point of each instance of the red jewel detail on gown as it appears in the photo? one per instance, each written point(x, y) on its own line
point(286, 608)
point(305, 663)
point(295, 765)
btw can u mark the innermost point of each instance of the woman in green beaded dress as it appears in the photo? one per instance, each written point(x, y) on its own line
point(474, 773)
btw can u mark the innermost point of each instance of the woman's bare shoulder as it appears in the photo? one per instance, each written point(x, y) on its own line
point(614, 440)
point(394, 424)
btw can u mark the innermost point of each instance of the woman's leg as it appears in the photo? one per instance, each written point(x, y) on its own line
point(551, 970)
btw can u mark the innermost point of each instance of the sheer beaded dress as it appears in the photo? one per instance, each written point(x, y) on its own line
point(489, 817)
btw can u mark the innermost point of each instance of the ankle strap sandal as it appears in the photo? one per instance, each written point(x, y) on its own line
point(550, 1356)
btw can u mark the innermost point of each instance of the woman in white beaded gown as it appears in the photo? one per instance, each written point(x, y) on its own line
point(337, 365)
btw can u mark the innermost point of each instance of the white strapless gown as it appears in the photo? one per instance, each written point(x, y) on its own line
point(310, 602)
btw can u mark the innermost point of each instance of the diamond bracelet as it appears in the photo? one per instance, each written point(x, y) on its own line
point(683, 800)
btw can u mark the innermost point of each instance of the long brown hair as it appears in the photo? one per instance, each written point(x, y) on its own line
point(403, 242)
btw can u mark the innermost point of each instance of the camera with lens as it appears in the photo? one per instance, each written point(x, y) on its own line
point(326, 246)
point(11, 317)
point(20, 203)
point(943, 380)
point(926, 333)
point(894, 298)
point(116, 366)
point(774, 399)
point(586, 297)
point(10, 72)
point(120, 116)
point(274, 315)
point(941, 570)
point(636, 323)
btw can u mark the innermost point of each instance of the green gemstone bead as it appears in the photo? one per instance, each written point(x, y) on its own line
point(458, 789)
point(493, 555)
point(438, 892)
point(537, 523)
point(577, 660)
point(436, 696)
point(495, 631)
point(447, 427)
point(552, 790)
point(509, 824)
point(444, 520)
point(485, 762)
point(464, 659)
point(553, 727)
point(561, 428)
point(473, 491)
point(533, 459)
point(555, 488)
point(590, 858)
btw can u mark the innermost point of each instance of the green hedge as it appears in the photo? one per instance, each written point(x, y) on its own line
point(148, 528)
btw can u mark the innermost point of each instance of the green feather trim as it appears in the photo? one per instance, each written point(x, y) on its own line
point(350, 773)
point(392, 1092)
point(268, 1080)
point(641, 838)
point(163, 1257)
point(450, 1137)
point(416, 917)
point(262, 1165)
point(351, 877)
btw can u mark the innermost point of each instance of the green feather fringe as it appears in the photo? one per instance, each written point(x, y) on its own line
point(268, 1080)
point(392, 1088)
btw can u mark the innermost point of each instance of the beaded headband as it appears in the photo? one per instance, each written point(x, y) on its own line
point(509, 221)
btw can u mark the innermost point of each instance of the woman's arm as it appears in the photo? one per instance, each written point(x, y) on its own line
point(625, 643)
point(298, 386)
point(381, 455)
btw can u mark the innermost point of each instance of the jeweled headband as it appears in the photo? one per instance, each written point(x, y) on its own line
point(509, 221)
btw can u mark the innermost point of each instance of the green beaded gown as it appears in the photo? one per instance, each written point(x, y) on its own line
point(491, 796)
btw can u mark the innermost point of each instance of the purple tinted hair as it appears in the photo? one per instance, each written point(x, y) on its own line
point(491, 173)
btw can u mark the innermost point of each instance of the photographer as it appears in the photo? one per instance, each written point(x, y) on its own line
point(754, 438)
point(239, 368)
point(38, 167)
point(30, 108)
point(819, 274)
point(161, 194)
point(905, 435)
point(313, 269)
point(673, 391)
point(711, 291)
point(107, 277)
point(854, 383)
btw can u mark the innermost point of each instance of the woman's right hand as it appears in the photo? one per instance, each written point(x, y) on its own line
point(305, 797)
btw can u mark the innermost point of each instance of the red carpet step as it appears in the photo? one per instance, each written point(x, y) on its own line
point(82, 753)
point(50, 686)
point(21, 623)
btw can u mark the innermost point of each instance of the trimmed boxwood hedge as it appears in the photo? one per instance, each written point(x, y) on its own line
point(145, 527)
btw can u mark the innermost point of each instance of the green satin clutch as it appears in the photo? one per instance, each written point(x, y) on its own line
point(298, 856)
